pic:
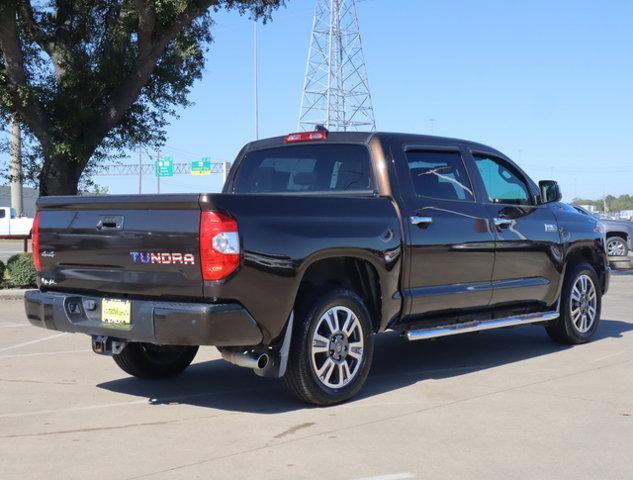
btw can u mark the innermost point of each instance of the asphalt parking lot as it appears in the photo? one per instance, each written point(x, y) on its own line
point(498, 405)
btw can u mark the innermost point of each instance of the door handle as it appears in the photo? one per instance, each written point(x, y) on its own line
point(502, 222)
point(114, 222)
point(416, 220)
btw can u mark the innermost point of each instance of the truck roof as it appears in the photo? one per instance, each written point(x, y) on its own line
point(366, 137)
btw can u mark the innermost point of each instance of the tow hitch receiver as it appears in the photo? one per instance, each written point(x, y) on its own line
point(104, 345)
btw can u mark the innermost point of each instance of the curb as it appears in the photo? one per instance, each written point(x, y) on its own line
point(12, 293)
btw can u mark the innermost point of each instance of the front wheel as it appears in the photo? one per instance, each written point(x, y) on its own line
point(617, 247)
point(580, 307)
point(331, 350)
point(146, 360)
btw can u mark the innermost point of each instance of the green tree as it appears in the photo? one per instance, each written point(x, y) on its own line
point(584, 201)
point(90, 78)
point(613, 204)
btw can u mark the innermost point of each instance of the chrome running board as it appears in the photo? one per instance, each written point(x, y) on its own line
point(480, 325)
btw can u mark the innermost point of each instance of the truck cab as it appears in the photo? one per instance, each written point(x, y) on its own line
point(12, 225)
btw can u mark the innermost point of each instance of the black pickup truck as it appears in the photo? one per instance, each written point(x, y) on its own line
point(318, 241)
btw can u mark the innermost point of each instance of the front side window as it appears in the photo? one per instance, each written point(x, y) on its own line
point(2, 213)
point(439, 174)
point(305, 168)
point(502, 183)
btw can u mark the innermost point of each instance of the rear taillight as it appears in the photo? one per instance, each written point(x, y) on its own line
point(219, 246)
point(35, 242)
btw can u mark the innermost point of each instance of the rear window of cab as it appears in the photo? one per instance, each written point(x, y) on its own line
point(305, 168)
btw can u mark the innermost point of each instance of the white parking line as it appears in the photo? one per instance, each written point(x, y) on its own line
point(14, 325)
point(40, 354)
point(32, 342)
point(389, 476)
point(74, 409)
point(611, 355)
point(146, 401)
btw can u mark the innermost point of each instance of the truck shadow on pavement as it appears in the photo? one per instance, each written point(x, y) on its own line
point(397, 364)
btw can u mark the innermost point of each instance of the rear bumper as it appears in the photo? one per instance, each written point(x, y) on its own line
point(163, 323)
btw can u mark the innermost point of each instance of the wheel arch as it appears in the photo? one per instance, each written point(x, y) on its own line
point(623, 234)
point(590, 255)
point(351, 271)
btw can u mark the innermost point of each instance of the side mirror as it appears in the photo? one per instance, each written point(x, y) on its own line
point(550, 191)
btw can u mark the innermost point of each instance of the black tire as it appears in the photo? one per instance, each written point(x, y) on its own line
point(301, 378)
point(624, 246)
point(146, 360)
point(564, 330)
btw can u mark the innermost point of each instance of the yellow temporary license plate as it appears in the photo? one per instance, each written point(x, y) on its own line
point(116, 312)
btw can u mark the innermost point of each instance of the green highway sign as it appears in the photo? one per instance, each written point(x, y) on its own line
point(201, 167)
point(165, 167)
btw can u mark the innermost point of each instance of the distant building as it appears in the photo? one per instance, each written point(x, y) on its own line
point(29, 198)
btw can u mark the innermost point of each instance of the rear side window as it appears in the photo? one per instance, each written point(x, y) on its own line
point(502, 182)
point(305, 168)
point(440, 175)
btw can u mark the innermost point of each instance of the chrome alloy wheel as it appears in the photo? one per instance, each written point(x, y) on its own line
point(616, 248)
point(337, 347)
point(583, 304)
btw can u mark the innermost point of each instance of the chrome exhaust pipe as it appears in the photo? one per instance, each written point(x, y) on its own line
point(255, 361)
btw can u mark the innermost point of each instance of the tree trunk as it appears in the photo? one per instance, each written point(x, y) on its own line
point(59, 177)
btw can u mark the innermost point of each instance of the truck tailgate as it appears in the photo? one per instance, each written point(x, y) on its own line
point(137, 245)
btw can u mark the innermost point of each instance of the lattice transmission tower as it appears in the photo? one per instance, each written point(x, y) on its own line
point(335, 90)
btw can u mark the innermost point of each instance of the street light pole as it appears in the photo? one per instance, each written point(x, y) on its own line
point(255, 77)
point(225, 172)
point(140, 171)
point(157, 168)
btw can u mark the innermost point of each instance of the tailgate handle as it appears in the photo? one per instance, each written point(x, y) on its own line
point(110, 222)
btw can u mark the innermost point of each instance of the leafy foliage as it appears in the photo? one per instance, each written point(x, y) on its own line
point(88, 79)
point(613, 204)
point(20, 271)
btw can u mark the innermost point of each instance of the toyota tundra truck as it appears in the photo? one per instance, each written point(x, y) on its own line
point(318, 241)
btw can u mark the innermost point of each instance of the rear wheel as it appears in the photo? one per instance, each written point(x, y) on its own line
point(331, 350)
point(580, 307)
point(146, 360)
point(617, 247)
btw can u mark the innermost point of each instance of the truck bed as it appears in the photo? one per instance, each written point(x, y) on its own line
point(148, 247)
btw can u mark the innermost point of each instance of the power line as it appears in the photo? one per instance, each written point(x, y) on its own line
point(149, 169)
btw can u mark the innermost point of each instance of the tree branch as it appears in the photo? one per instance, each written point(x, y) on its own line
point(46, 42)
point(26, 105)
point(33, 29)
point(152, 44)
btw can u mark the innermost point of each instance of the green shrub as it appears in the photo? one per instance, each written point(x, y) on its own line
point(2, 269)
point(12, 259)
point(21, 272)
